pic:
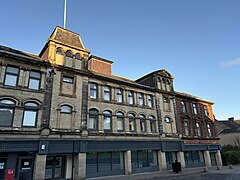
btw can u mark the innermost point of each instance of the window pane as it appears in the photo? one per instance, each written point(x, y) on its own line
point(130, 97)
point(6, 101)
point(11, 80)
point(107, 122)
point(31, 104)
point(66, 109)
point(12, 70)
point(150, 101)
point(119, 95)
point(92, 122)
point(120, 123)
point(6, 116)
point(68, 79)
point(34, 74)
point(29, 118)
point(107, 93)
point(34, 84)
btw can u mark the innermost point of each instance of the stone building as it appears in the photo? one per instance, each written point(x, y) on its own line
point(63, 114)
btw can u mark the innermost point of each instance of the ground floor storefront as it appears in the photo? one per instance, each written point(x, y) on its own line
point(85, 158)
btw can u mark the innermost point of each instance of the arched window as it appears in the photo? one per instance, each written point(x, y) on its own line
point(142, 122)
point(66, 109)
point(92, 122)
point(30, 114)
point(77, 56)
point(183, 105)
point(120, 121)
point(152, 124)
point(7, 107)
point(132, 122)
point(59, 50)
point(107, 120)
point(167, 119)
point(69, 53)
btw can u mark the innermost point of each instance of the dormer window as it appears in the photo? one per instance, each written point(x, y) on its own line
point(69, 54)
point(59, 50)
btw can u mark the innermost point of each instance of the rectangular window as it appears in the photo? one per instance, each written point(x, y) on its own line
point(150, 101)
point(130, 98)
point(166, 104)
point(132, 124)
point(195, 108)
point(140, 99)
point(209, 130)
point(34, 80)
point(29, 118)
point(153, 126)
point(198, 129)
point(120, 123)
point(67, 79)
point(107, 93)
point(186, 129)
point(183, 104)
point(11, 76)
point(93, 91)
point(119, 95)
point(142, 125)
point(206, 111)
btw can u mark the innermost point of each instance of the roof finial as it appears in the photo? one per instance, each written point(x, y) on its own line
point(65, 14)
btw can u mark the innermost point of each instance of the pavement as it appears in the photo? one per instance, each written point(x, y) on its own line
point(187, 174)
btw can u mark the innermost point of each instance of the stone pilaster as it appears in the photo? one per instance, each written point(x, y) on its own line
point(181, 159)
point(207, 159)
point(162, 163)
point(80, 166)
point(219, 158)
point(39, 167)
point(128, 162)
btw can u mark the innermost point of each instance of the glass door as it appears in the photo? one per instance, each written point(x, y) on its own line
point(25, 168)
point(3, 162)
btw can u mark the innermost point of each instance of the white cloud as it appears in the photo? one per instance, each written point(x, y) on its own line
point(233, 62)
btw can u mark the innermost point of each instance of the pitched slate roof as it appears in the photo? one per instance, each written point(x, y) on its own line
point(67, 37)
point(227, 126)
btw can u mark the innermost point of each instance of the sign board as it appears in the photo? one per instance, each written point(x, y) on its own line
point(9, 175)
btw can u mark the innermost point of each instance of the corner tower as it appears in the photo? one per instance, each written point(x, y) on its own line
point(65, 47)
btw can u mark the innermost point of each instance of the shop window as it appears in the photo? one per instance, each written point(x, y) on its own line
point(93, 91)
point(183, 105)
point(150, 101)
point(102, 162)
point(107, 93)
point(55, 167)
point(120, 121)
point(107, 120)
point(11, 76)
point(194, 105)
point(140, 99)
point(77, 56)
point(119, 95)
point(142, 123)
point(30, 114)
point(130, 98)
point(92, 122)
point(132, 122)
point(34, 80)
point(69, 54)
point(152, 124)
point(7, 108)
point(66, 109)
point(59, 50)
point(142, 159)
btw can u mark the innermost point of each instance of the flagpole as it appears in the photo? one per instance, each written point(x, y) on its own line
point(65, 14)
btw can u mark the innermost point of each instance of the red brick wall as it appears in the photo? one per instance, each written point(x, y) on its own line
point(100, 66)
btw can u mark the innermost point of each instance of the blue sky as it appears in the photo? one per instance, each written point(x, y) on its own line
point(197, 41)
